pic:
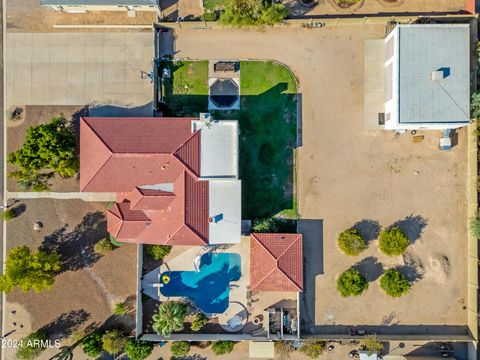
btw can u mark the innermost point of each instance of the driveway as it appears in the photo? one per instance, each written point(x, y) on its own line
point(348, 175)
point(79, 68)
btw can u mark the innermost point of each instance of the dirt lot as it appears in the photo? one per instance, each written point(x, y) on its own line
point(30, 16)
point(35, 115)
point(88, 286)
point(347, 174)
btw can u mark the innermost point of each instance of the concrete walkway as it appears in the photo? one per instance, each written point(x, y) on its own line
point(101, 197)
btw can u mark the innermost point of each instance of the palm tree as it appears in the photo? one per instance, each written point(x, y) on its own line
point(170, 317)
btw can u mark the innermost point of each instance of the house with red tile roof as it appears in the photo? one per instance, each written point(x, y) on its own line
point(171, 177)
point(276, 262)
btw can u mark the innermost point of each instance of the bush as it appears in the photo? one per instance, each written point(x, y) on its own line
point(475, 226)
point(180, 348)
point(268, 225)
point(103, 247)
point(475, 106)
point(113, 341)
point(32, 346)
point(138, 349)
point(15, 114)
point(114, 241)
point(371, 345)
point(313, 348)
point(393, 241)
point(351, 242)
point(252, 13)
point(120, 309)
point(351, 283)
point(93, 345)
point(170, 317)
point(221, 347)
point(9, 214)
point(210, 16)
point(157, 252)
point(283, 349)
point(199, 320)
point(27, 270)
point(394, 283)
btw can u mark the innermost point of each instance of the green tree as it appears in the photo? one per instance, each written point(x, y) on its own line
point(243, 13)
point(138, 349)
point(198, 322)
point(9, 214)
point(371, 345)
point(221, 347)
point(180, 348)
point(313, 348)
point(113, 341)
point(29, 271)
point(283, 349)
point(120, 309)
point(393, 241)
point(92, 345)
point(32, 346)
point(157, 252)
point(50, 146)
point(351, 242)
point(170, 317)
point(394, 283)
point(351, 283)
point(103, 247)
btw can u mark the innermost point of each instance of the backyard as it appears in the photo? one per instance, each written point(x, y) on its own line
point(268, 128)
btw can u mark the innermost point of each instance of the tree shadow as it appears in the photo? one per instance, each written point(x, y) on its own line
point(75, 248)
point(368, 229)
point(19, 209)
point(63, 326)
point(370, 268)
point(412, 226)
point(390, 319)
point(412, 269)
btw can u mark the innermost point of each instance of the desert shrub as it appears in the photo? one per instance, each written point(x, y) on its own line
point(221, 347)
point(15, 114)
point(283, 349)
point(92, 345)
point(199, 320)
point(32, 346)
point(393, 241)
point(475, 226)
point(9, 214)
point(313, 348)
point(120, 309)
point(103, 247)
point(114, 241)
point(394, 283)
point(268, 225)
point(351, 242)
point(170, 317)
point(138, 349)
point(113, 341)
point(157, 252)
point(351, 283)
point(371, 345)
point(180, 348)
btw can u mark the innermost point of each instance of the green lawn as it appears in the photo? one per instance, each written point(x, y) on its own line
point(213, 4)
point(268, 129)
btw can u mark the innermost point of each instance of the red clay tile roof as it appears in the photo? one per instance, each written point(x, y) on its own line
point(123, 155)
point(276, 262)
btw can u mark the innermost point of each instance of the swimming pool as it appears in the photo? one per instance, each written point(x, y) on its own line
point(209, 287)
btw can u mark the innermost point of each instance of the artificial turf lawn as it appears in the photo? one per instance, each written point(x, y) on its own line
point(268, 129)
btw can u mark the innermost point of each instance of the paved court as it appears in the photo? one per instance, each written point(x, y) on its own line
point(78, 68)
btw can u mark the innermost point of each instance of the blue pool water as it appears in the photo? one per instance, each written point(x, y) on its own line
point(208, 288)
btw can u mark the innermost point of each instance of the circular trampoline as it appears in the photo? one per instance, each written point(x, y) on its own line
point(224, 93)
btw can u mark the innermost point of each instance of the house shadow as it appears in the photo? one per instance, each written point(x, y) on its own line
point(312, 232)
point(75, 248)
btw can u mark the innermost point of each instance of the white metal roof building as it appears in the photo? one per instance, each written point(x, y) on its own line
point(427, 77)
